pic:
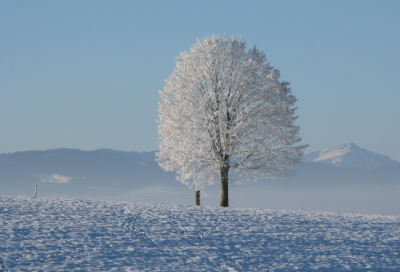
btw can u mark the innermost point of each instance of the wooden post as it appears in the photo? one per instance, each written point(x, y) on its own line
point(197, 198)
point(35, 189)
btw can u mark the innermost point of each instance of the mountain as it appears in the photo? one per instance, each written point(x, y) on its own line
point(106, 174)
point(143, 156)
point(86, 170)
point(349, 156)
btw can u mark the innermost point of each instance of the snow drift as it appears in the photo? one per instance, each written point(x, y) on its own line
point(66, 234)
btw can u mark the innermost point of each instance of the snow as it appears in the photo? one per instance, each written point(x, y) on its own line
point(56, 178)
point(68, 234)
point(348, 155)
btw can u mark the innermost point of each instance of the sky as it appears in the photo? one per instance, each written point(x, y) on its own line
point(86, 74)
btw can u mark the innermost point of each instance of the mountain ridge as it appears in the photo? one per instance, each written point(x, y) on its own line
point(349, 156)
point(136, 176)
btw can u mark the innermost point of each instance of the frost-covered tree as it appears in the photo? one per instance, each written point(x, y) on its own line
point(224, 108)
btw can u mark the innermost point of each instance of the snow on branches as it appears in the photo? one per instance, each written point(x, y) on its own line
point(224, 108)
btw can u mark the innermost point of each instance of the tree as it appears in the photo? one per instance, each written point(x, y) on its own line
point(224, 108)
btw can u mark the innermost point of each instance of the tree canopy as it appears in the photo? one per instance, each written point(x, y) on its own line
point(224, 108)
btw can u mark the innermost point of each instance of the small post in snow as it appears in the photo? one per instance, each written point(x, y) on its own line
point(35, 190)
point(197, 198)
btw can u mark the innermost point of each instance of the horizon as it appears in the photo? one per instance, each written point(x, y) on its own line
point(110, 149)
point(353, 182)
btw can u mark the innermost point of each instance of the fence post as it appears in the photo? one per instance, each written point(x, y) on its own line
point(197, 198)
point(35, 189)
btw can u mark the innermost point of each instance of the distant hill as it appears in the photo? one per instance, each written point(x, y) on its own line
point(143, 156)
point(102, 167)
point(346, 164)
point(345, 178)
point(350, 156)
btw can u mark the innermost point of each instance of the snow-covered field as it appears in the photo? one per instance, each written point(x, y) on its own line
point(87, 235)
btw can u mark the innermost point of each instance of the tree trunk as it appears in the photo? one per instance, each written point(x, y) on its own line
point(224, 202)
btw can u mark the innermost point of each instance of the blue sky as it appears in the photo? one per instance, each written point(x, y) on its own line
point(86, 74)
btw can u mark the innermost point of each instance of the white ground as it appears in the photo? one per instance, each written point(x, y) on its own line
point(88, 235)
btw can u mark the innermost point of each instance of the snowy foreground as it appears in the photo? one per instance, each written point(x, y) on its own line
point(87, 235)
